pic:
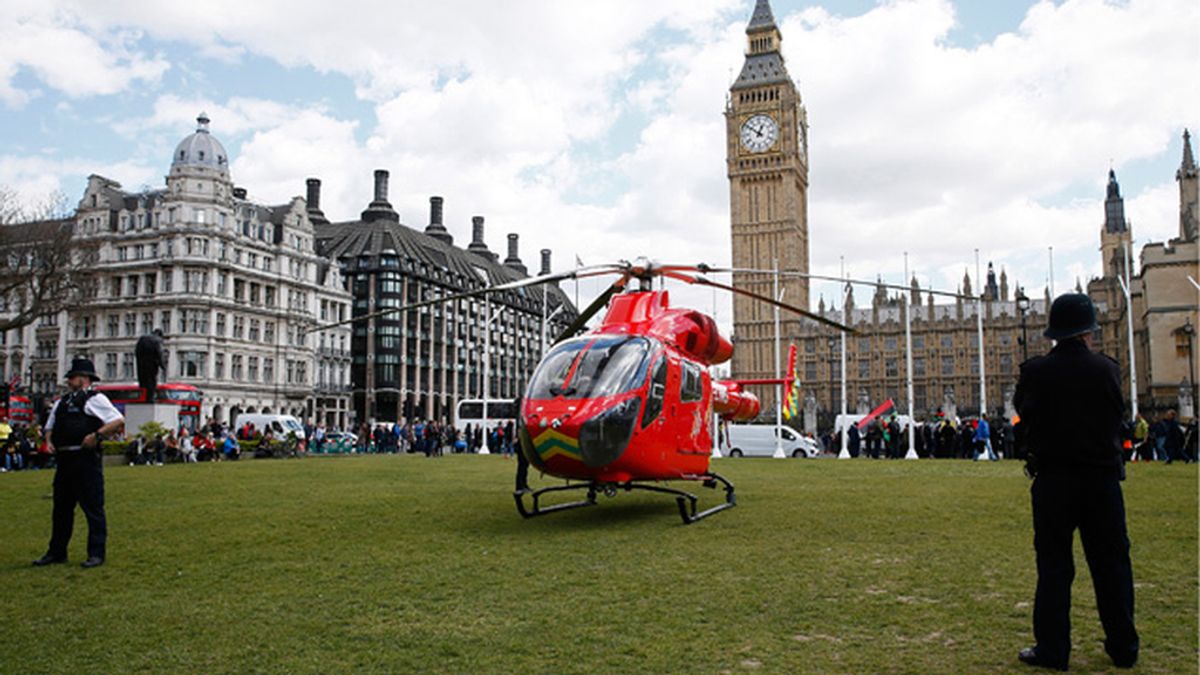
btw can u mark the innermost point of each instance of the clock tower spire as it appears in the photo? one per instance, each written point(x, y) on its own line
point(766, 129)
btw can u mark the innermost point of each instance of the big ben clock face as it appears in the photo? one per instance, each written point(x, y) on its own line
point(759, 133)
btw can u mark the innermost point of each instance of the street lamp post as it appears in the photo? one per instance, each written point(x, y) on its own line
point(1023, 308)
point(1189, 332)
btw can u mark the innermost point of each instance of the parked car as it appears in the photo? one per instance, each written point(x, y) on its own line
point(759, 440)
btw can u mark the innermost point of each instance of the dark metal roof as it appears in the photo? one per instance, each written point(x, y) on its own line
point(348, 242)
point(762, 18)
point(761, 69)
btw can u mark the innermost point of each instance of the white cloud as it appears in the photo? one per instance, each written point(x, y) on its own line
point(68, 59)
point(511, 110)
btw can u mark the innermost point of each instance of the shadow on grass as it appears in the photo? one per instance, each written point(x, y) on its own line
point(606, 514)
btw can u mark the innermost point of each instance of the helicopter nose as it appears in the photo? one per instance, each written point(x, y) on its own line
point(603, 438)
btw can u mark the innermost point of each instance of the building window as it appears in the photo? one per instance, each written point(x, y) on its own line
point(891, 368)
point(889, 344)
point(269, 332)
point(254, 331)
point(127, 366)
point(235, 367)
point(130, 325)
point(114, 327)
point(110, 366)
point(191, 364)
point(168, 276)
point(269, 370)
point(147, 322)
point(918, 366)
point(220, 324)
point(239, 327)
point(947, 342)
point(947, 365)
point(219, 366)
point(252, 369)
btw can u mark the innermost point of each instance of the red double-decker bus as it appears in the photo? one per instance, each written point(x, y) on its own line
point(19, 410)
point(187, 397)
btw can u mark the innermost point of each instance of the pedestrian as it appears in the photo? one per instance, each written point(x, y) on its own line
point(983, 440)
point(1172, 438)
point(853, 440)
point(1070, 400)
point(78, 423)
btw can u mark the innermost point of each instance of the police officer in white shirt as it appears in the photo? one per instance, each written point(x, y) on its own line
point(78, 423)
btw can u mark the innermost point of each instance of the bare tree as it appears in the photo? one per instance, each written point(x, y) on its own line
point(44, 268)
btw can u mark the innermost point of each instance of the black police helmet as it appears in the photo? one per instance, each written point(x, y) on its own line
point(1072, 314)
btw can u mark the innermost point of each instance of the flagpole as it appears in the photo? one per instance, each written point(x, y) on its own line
point(778, 388)
point(908, 367)
point(845, 451)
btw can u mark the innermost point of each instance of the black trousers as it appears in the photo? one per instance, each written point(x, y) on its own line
point(1094, 505)
point(79, 479)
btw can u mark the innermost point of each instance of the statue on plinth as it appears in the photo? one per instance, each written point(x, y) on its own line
point(151, 358)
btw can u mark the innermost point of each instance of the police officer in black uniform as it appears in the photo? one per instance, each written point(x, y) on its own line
point(80, 420)
point(1071, 409)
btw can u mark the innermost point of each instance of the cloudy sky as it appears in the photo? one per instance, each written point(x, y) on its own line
point(595, 128)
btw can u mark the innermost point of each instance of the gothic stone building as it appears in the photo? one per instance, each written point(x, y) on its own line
point(767, 163)
point(420, 363)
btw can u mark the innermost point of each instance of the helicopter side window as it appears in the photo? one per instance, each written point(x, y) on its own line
point(690, 388)
point(658, 391)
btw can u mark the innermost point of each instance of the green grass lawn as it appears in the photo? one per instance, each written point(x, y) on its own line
point(405, 564)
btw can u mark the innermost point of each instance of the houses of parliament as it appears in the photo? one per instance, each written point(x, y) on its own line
point(767, 166)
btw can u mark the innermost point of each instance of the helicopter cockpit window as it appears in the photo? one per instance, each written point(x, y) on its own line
point(658, 391)
point(591, 367)
point(690, 389)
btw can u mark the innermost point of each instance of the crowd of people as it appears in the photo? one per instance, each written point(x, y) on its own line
point(433, 439)
point(1165, 440)
point(22, 446)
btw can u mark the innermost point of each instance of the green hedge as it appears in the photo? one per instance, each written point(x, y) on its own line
point(115, 447)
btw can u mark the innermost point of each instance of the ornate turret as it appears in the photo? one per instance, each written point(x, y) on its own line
point(1189, 192)
point(1114, 207)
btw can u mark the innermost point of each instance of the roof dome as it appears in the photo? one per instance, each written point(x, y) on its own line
point(201, 150)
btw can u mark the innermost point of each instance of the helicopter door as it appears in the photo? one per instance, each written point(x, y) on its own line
point(657, 392)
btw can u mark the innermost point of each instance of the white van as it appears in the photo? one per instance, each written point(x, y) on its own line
point(758, 440)
point(279, 425)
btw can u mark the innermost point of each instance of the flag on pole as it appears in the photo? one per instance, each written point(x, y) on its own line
point(886, 407)
point(791, 397)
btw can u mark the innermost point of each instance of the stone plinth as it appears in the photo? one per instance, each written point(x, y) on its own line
point(138, 414)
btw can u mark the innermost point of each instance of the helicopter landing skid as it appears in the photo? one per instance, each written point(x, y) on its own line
point(686, 501)
point(539, 510)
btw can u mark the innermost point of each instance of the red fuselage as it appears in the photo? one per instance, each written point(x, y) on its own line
point(632, 399)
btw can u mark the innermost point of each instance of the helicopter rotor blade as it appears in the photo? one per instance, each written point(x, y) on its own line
point(580, 273)
point(687, 278)
point(598, 304)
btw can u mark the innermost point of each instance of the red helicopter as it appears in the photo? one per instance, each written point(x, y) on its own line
point(631, 402)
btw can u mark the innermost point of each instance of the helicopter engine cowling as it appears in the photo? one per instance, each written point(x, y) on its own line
point(731, 403)
point(695, 333)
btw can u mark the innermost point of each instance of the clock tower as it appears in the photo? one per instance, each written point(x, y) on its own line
point(766, 131)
